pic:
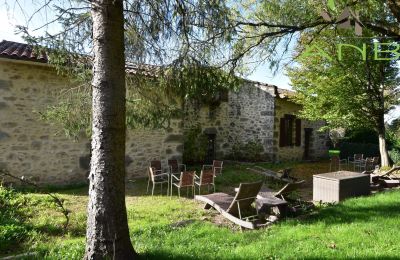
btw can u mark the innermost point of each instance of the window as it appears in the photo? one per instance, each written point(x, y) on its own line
point(289, 125)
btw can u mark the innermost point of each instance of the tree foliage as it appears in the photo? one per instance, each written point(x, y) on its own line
point(347, 92)
point(182, 40)
point(267, 29)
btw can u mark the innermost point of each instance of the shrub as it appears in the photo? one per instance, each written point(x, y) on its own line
point(395, 156)
point(349, 149)
point(13, 230)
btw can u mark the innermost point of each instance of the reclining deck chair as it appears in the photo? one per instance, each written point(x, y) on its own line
point(234, 208)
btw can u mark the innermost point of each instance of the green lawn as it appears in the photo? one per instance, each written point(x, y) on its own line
point(365, 227)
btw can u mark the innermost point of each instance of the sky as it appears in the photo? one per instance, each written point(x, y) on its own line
point(12, 14)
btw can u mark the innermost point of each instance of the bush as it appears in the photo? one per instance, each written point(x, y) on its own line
point(395, 156)
point(251, 151)
point(349, 149)
point(13, 230)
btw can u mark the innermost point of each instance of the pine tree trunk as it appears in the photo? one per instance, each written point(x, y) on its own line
point(107, 235)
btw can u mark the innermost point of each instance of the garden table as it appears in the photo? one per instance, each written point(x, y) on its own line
point(266, 202)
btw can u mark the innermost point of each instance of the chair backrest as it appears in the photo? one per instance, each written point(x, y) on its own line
point(245, 196)
point(290, 187)
point(217, 166)
point(174, 166)
point(156, 165)
point(187, 178)
point(358, 156)
point(206, 177)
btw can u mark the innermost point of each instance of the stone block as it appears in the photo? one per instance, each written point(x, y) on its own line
point(4, 136)
point(174, 138)
point(84, 162)
point(4, 85)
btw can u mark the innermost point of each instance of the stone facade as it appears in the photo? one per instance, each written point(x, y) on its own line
point(246, 115)
point(33, 148)
point(317, 141)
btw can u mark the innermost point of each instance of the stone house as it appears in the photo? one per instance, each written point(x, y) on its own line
point(33, 148)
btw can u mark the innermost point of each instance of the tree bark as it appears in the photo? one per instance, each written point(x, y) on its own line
point(382, 142)
point(107, 235)
point(383, 150)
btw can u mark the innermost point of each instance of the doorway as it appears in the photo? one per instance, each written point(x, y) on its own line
point(210, 155)
point(307, 142)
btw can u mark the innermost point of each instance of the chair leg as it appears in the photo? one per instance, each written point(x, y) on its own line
point(168, 186)
point(161, 187)
point(152, 191)
point(179, 192)
point(148, 184)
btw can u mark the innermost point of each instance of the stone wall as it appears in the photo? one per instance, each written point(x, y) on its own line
point(247, 115)
point(33, 148)
point(318, 148)
point(144, 146)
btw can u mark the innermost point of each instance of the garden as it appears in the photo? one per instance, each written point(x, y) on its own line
point(163, 227)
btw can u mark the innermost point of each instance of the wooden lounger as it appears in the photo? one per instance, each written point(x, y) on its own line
point(233, 207)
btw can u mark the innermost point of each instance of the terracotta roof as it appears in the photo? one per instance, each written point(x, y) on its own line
point(278, 92)
point(21, 51)
point(285, 93)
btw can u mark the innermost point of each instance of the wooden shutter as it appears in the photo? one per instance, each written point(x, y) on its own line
point(289, 130)
point(298, 132)
point(282, 133)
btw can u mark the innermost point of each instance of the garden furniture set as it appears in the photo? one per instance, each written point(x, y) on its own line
point(239, 209)
point(357, 161)
point(177, 176)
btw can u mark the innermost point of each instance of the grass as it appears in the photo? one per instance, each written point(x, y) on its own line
point(161, 227)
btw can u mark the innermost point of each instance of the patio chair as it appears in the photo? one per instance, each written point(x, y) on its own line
point(235, 208)
point(336, 163)
point(357, 160)
point(156, 165)
point(175, 167)
point(157, 178)
point(206, 178)
point(216, 167)
point(186, 180)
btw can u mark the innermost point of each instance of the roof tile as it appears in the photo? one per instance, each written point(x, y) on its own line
point(21, 51)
